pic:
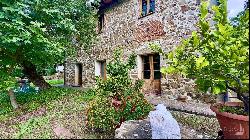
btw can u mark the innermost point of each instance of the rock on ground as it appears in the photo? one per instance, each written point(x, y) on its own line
point(190, 107)
point(134, 129)
point(163, 125)
point(141, 129)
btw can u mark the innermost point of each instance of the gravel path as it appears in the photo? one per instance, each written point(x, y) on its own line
point(188, 107)
point(141, 129)
point(189, 133)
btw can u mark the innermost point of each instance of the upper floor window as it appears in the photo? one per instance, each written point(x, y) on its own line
point(147, 7)
point(100, 22)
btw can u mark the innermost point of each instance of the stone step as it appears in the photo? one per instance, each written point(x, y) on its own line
point(193, 108)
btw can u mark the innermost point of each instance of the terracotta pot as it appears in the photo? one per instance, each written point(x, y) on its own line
point(233, 126)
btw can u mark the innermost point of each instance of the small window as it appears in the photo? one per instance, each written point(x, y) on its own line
point(151, 67)
point(146, 67)
point(147, 7)
point(100, 69)
point(152, 6)
point(144, 7)
point(100, 22)
point(103, 69)
point(156, 64)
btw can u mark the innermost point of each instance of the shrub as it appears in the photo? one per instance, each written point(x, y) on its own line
point(118, 97)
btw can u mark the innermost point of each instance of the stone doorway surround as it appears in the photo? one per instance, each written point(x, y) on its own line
point(100, 68)
point(151, 85)
point(78, 74)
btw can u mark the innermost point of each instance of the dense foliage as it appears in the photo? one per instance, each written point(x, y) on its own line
point(217, 56)
point(118, 97)
point(39, 34)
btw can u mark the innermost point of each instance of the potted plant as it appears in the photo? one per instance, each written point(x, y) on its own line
point(217, 57)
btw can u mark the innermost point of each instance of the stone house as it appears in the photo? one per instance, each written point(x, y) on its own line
point(131, 25)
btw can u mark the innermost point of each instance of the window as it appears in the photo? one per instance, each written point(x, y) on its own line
point(152, 6)
point(100, 22)
point(103, 69)
point(151, 67)
point(147, 7)
point(100, 68)
point(156, 65)
point(146, 67)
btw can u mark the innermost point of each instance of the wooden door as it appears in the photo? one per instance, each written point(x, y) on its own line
point(78, 74)
point(151, 74)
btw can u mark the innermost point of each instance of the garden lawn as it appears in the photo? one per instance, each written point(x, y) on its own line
point(54, 113)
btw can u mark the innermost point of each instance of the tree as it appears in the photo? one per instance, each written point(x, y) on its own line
point(217, 56)
point(37, 34)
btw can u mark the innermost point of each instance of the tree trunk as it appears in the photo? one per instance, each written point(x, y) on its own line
point(13, 99)
point(30, 71)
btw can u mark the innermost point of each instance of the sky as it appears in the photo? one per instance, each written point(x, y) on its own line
point(234, 7)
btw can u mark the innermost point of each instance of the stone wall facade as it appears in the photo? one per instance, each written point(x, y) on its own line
point(123, 28)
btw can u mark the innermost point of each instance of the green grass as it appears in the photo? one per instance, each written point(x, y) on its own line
point(64, 106)
point(31, 101)
point(55, 81)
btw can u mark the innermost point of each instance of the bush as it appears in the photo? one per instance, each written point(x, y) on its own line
point(118, 98)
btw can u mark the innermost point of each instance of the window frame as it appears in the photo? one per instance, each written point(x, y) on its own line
point(101, 69)
point(151, 66)
point(148, 8)
point(143, 70)
point(101, 19)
